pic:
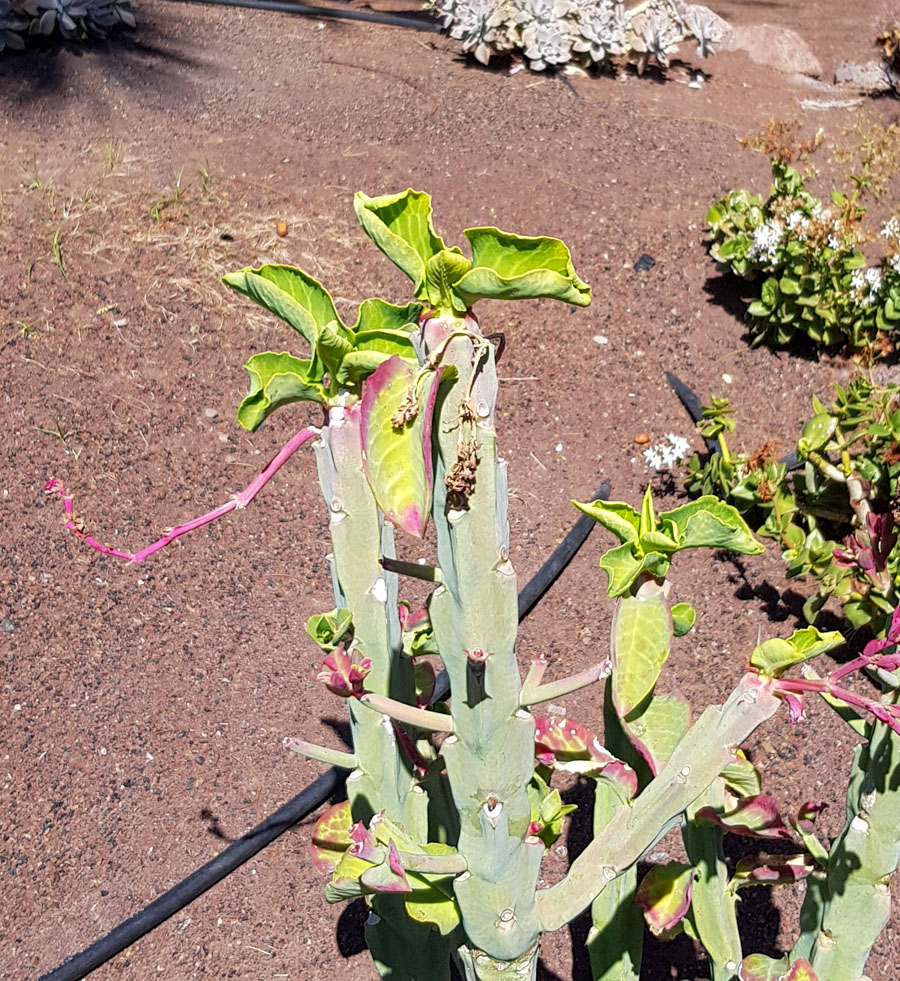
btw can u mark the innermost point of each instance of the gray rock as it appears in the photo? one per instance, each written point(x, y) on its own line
point(872, 76)
point(775, 47)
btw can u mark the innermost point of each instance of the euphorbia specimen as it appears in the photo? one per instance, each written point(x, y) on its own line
point(448, 814)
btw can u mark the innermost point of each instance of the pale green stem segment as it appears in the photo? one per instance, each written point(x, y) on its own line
point(475, 965)
point(322, 754)
point(383, 779)
point(844, 913)
point(700, 756)
point(490, 755)
point(615, 941)
point(713, 904)
point(359, 536)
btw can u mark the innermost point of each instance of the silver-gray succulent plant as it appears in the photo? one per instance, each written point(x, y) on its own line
point(72, 19)
point(554, 32)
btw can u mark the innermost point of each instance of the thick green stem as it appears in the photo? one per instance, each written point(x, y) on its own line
point(700, 756)
point(713, 904)
point(844, 913)
point(490, 756)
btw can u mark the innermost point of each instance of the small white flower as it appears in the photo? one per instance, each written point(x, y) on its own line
point(833, 243)
point(666, 455)
point(765, 241)
point(796, 220)
point(894, 263)
point(858, 279)
point(873, 278)
point(891, 228)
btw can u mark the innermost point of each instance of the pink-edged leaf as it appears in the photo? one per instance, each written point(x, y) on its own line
point(343, 675)
point(758, 967)
point(801, 970)
point(364, 844)
point(795, 706)
point(389, 876)
point(656, 731)
point(754, 817)
point(773, 870)
point(623, 777)
point(568, 745)
point(807, 815)
point(665, 895)
point(395, 430)
point(331, 837)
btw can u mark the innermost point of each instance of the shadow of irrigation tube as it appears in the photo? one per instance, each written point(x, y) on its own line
point(126, 933)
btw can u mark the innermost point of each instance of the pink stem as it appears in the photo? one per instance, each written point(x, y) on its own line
point(885, 713)
point(240, 500)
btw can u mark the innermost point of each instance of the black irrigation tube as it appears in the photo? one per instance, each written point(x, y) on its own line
point(306, 10)
point(131, 930)
point(691, 401)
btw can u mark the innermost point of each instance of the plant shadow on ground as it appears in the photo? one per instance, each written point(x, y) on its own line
point(133, 63)
point(725, 291)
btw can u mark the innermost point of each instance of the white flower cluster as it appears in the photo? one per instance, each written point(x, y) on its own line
point(766, 239)
point(553, 32)
point(891, 228)
point(666, 455)
point(71, 18)
point(869, 279)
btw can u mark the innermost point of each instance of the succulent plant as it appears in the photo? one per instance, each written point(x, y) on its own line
point(554, 32)
point(12, 26)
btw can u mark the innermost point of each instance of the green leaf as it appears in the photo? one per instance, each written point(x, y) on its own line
point(708, 522)
point(616, 516)
point(741, 777)
point(776, 655)
point(400, 225)
point(622, 567)
point(442, 272)
point(642, 630)
point(331, 837)
point(819, 430)
point(657, 730)
point(665, 895)
point(332, 347)
point(684, 616)
point(276, 380)
point(397, 459)
point(518, 267)
point(758, 967)
point(289, 293)
point(328, 629)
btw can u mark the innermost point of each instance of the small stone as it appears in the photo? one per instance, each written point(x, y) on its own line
point(210, 413)
point(7, 626)
point(727, 379)
point(642, 438)
point(600, 339)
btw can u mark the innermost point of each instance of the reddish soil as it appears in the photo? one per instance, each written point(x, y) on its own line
point(143, 706)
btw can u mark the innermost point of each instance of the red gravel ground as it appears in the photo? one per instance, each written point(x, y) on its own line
point(143, 706)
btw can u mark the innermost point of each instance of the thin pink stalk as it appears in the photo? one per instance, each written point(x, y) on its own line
point(885, 713)
point(240, 500)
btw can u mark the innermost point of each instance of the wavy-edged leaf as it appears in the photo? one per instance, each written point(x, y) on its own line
point(665, 895)
point(519, 267)
point(568, 745)
point(753, 817)
point(289, 293)
point(741, 777)
point(777, 654)
point(773, 870)
point(657, 730)
point(616, 516)
point(376, 314)
point(708, 522)
point(329, 629)
point(642, 631)
point(397, 459)
point(622, 567)
point(400, 225)
point(331, 837)
point(276, 380)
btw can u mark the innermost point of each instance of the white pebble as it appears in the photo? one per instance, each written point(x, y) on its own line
point(727, 379)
